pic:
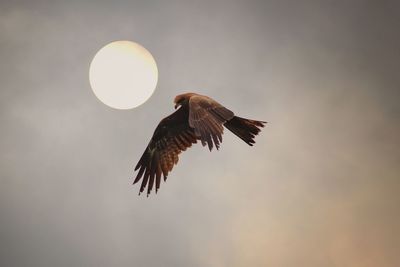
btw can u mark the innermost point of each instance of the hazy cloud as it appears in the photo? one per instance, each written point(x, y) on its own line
point(320, 188)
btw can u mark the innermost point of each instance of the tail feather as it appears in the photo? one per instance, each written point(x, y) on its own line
point(245, 129)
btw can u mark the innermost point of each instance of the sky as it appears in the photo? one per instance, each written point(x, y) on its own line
point(320, 187)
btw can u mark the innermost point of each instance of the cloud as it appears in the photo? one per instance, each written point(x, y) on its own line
point(319, 188)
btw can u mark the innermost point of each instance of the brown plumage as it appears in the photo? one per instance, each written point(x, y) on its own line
point(198, 118)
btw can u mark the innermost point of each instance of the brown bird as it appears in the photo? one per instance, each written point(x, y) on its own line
point(198, 118)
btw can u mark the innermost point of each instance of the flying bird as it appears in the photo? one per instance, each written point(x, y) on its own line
point(197, 117)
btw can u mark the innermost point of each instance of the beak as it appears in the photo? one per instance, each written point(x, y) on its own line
point(176, 105)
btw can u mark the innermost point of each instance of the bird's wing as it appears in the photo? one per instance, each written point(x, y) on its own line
point(172, 136)
point(207, 117)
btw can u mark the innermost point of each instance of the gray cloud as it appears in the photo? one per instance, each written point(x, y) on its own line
point(320, 188)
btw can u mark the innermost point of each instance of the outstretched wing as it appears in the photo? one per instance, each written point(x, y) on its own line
point(207, 117)
point(172, 136)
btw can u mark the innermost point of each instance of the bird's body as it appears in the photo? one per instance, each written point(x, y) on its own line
point(198, 118)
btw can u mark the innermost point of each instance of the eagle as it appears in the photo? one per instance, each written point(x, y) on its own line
point(197, 117)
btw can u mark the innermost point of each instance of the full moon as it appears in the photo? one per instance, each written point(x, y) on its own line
point(123, 74)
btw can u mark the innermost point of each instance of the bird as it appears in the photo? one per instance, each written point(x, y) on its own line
point(196, 118)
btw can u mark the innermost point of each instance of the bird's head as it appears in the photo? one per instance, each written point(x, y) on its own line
point(182, 99)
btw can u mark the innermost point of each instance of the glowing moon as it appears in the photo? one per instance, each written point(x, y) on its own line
point(123, 74)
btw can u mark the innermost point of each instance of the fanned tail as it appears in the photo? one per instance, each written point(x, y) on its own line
point(245, 129)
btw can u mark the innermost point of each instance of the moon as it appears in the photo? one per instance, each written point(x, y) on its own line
point(123, 74)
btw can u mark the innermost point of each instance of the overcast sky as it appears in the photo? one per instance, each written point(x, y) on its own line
point(320, 187)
